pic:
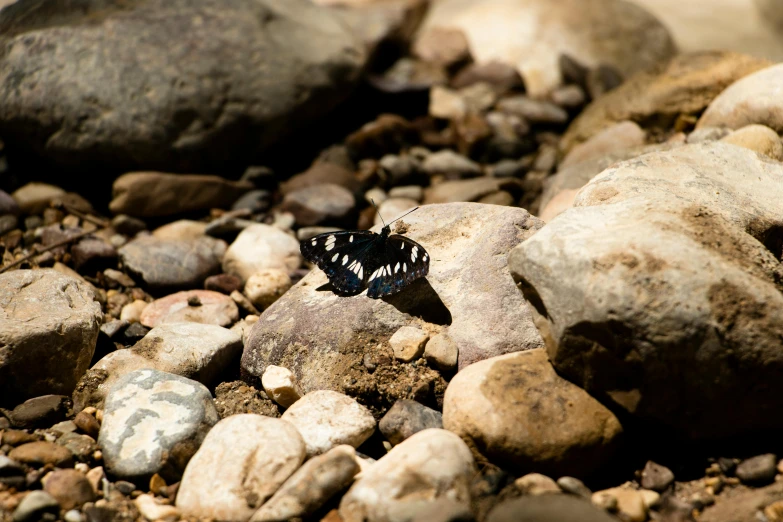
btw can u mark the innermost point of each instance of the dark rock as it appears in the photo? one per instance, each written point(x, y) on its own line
point(42, 452)
point(12, 473)
point(87, 423)
point(8, 222)
point(569, 96)
point(386, 135)
point(572, 71)
point(192, 96)
point(407, 417)
point(574, 486)
point(223, 283)
point(18, 437)
point(8, 205)
point(41, 411)
point(760, 469)
point(602, 79)
point(255, 201)
point(317, 204)
point(125, 487)
point(91, 255)
point(127, 225)
point(548, 508)
point(167, 265)
point(656, 477)
point(727, 466)
point(113, 327)
point(134, 333)
point(70, 488)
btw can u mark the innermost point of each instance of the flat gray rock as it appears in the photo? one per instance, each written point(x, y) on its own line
point(661, 289)
point(154, 422)
point(167, 265)
point(193, 350)
point(468, 295)
point(184, 85)
point(49, 325)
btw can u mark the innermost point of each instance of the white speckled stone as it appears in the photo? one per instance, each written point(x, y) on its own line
point(153, 422)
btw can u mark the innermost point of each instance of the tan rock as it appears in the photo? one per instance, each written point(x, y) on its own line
point(758, 138)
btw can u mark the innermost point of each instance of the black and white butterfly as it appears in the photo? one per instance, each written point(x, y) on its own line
point(355, 259)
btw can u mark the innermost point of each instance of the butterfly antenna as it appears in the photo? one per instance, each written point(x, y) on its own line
point(402, 216)
point(378, 211)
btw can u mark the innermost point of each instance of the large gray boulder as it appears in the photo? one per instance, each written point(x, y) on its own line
point(179, 85)
point(661, 289)
point(468, 299)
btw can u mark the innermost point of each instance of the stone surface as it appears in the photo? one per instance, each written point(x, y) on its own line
point(42, 452)
point(548, 508)
point(574, 486)
point(167, 105)
point(322, 337)
point(752, 99)
point(34, 197)
point(40, 412)
point(758, 138)
point(617, 137)
point(154, 422)
point(632, 504)
point(408, 343)
point(156, 194)
point(450, 164)
point(70, 488)
point(326, 419)
point(319, 204)
point(666, 271)
point(223, 283)
point(131, 312)
point(49, 326)
point(430, 465)
point(443, 46)
point(280, 386)
point(656, 477)
point(520, 414)
point(442, 352)
point(34, 505)
point(243, 460)
point(469, 189)
point(534, 111)
point(536, 484)
point(87, 423)
point(407, 417)
point(266, 286)
point(685, 85)
point(192, 306)
point(181, 229)
point(619, 34)
point(196, 351)
point(82, 447)
point(166, 265)
point(743, 506)
point(259, 247)
point(152, 510)
point(311, 486)
point(758, 470)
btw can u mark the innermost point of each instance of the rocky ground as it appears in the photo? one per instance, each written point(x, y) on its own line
point(598, 336)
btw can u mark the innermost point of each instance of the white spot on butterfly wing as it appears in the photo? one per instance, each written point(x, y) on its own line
point(404, 267)
point(397, 267)
point(402, 246)
point(361, 273)
point(345, 259)
point(424, 257)
point(331, 239)
point(313, 242)
point(334, 257)
point(350, 239)
point(329, 247)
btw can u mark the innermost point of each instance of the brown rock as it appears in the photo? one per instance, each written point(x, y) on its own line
point(155, 194)
point(445, 46)
point(387, 134)
point(40, 411)
point(42, 452)
point(320, 173)
point(502, 76)
point(469, 189)
point(519, 413)
point(317, 204)
point(70, 487)
point(223, 283)
point(88, 424)
point(656, 477)
point(686, 85)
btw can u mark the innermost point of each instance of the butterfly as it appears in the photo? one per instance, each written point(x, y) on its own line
point(355, 259)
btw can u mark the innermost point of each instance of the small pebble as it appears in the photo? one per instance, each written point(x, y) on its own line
point(407, 417)
point(574, 486)
point(244, 303)
point(223, 283)
point(124, 487)
point(131, 312)
point(87, 423)
point(536, 484)
point(280, 385)
point(267, 285)
point(441, 352)
point(656, 477)
point(70, 488)
point(150, 509)
point(41, 453)
point(408, 343)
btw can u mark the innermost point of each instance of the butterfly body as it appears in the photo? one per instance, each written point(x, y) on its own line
point(384, 263)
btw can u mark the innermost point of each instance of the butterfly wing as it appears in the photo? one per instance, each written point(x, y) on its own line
point(342, 256)
point(402, 262)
